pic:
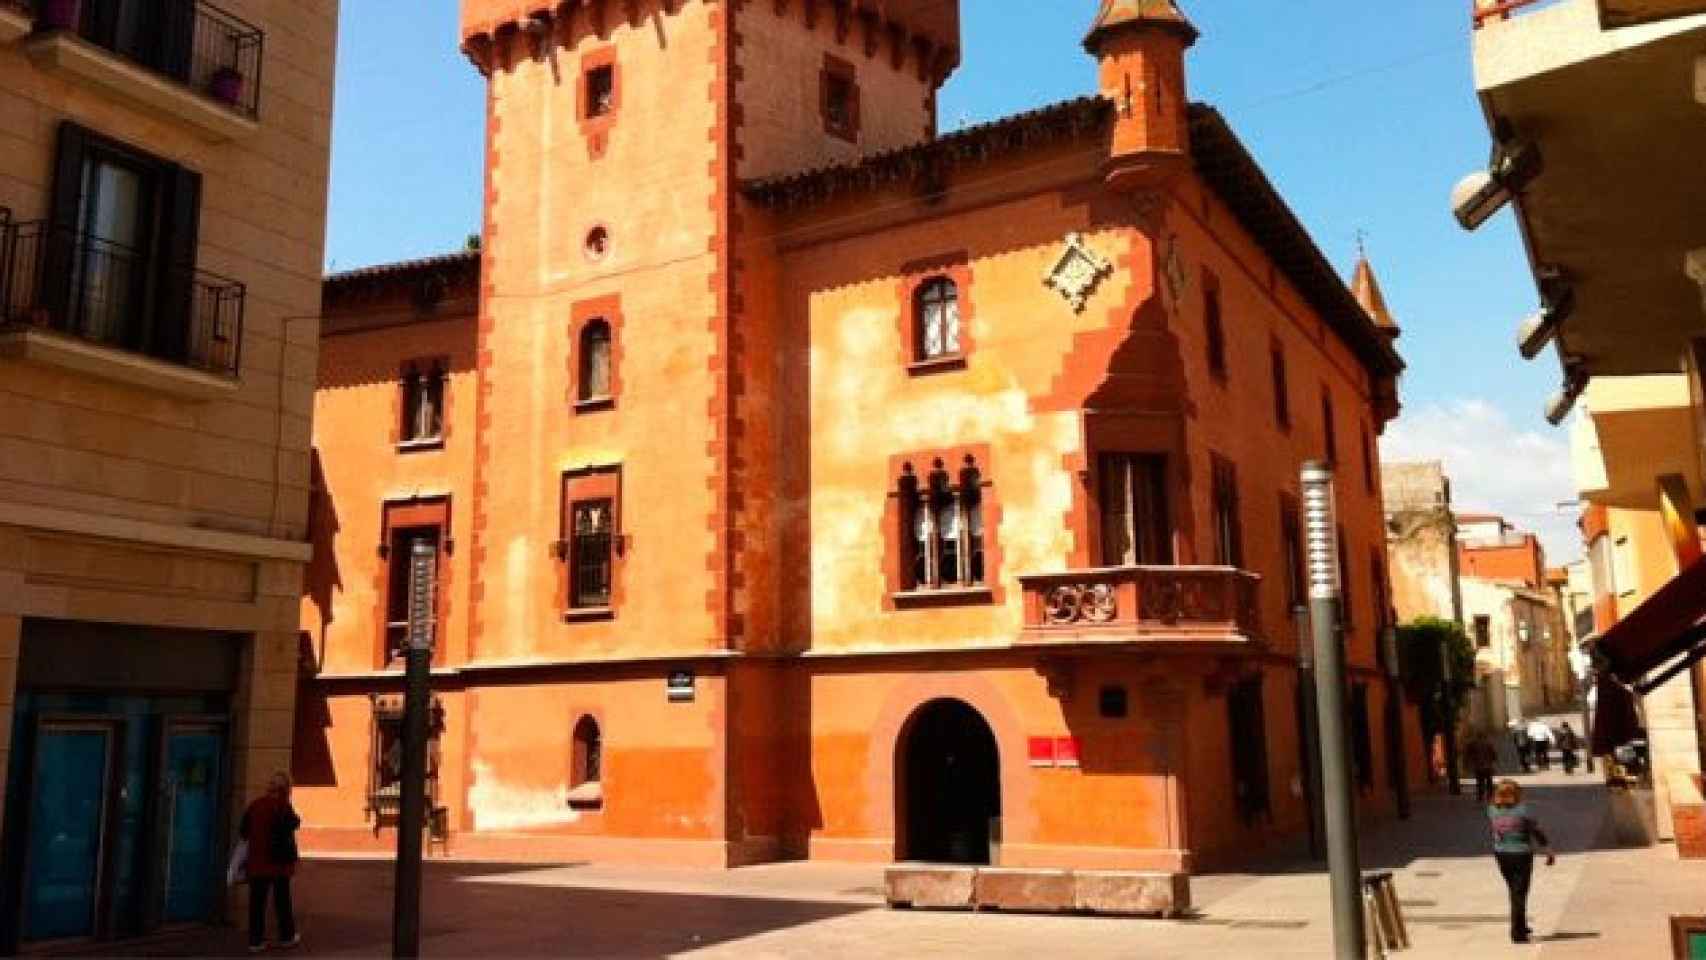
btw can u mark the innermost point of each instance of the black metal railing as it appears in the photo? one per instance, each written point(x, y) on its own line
point(190, 41)
point(54, 278)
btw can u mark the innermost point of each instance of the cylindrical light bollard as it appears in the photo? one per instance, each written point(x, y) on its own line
point(1338, 802)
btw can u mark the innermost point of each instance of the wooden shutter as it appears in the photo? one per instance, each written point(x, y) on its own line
point(175, 333)
point(59, 243)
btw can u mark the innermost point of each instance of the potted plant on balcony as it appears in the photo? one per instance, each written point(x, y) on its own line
point(226, 85)
point(60, 14)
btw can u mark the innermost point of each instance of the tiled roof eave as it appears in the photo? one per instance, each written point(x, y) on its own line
point(1227, 166)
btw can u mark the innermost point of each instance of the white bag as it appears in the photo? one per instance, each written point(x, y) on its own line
point(237, 870)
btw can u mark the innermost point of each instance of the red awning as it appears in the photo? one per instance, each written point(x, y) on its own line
point(1663, 627)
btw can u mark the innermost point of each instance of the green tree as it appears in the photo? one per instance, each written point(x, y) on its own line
point(1419, 645)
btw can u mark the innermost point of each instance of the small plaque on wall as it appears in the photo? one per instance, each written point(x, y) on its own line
point(680, 686)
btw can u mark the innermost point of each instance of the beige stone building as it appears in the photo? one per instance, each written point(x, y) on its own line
point(163, 171)
point(1421, 540)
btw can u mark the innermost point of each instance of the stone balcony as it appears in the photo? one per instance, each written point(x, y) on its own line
point(1150, 607)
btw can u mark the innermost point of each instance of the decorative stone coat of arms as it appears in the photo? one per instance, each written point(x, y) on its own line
point(1077, 272)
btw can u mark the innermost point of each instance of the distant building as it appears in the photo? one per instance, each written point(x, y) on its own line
point(1421, 540)
point(1476, 569)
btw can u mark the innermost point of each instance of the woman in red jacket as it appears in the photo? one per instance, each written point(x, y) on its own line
point(269, 825)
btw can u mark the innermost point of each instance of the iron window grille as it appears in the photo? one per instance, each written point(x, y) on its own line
point(944, 527)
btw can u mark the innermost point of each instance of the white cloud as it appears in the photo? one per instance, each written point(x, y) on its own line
point(1496, 467)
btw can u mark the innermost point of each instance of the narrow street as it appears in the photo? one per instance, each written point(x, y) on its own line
point(1598, 901)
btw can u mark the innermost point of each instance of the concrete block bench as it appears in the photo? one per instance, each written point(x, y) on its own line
point(1038, 890)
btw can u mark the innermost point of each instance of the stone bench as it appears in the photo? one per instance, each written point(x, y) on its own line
point(1038, 890)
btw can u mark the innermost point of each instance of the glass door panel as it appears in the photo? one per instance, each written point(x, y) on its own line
point(190, 785)
point(111, 262)
point(67, 826)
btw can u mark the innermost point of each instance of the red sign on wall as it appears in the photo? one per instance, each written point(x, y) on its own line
point(1042, 751)
point(1054, 751)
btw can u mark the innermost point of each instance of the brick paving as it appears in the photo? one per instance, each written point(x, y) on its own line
point(1599, 901)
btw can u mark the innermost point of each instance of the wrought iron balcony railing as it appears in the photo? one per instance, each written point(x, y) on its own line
point(54, 278)
point(190, 41)
point(1130, 604)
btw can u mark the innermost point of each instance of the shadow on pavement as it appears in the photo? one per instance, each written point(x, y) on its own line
point(344, 909)
point(1447, 827)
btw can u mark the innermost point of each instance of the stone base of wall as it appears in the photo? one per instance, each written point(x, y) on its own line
point(1019, 890)
point(492, 847)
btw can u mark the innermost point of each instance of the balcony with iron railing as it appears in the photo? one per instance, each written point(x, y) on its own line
point(1154, 607)
point(186, 58)
point(79, 301)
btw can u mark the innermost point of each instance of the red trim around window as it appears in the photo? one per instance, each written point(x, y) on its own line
point(591, 483)
point(396, 514)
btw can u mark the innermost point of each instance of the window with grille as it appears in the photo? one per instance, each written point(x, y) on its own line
point(1228, 531)
point(943, 517)
point(400, 550)
point(838, 98)
point(937, 320)
point(423, 402)
point(1132, 497)
point(591, 544)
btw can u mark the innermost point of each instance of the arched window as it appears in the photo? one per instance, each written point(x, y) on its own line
point(595, 361)
point(937, 318)
point(586, 766)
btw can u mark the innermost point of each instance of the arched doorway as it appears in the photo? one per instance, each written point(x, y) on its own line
point(947, 785)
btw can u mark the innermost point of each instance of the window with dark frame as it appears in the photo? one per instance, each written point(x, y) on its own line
point(1228, 531)
point(1347, 610)
point(839, 99)
point(592, 553)
point(1291, 546)
point(1329, 431)
point(600, 91)
point(838, 102)
point(936, 312)
point(1483, 631)
point(1132, 498)
point(943, 517)
point(1247, 725)
point(1214, 329)
point(399, 550)
point(1377, 580)
point(122, 226)
point(423, 402)
point(1362, 738)
point(1282, 391)
point(595, 353)
point(1367, 462)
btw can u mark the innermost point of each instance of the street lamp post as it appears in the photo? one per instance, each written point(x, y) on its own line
point(1339, 803)
point(411, 820)
point(1310, 732)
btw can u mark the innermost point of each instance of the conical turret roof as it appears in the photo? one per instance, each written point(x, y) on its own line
point(1367, 291)
point(1125, 14)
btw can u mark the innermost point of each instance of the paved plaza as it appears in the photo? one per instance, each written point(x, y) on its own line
point(1597, 902)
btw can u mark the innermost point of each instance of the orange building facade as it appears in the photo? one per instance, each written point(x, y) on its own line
point(806, 484)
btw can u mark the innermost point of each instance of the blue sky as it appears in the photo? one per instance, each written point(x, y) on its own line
point(1363, 114)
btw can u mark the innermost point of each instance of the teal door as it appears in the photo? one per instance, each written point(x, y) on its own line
point(190, 786)
point(67, 826)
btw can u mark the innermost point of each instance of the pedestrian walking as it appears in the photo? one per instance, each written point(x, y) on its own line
point(1483, 759)
point(1568, 744)
point(1519, 740)
point(1516, 837)
point(269, 826)
point(1540, 741)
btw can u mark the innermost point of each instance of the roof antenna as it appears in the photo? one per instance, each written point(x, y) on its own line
point(1362, 243)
